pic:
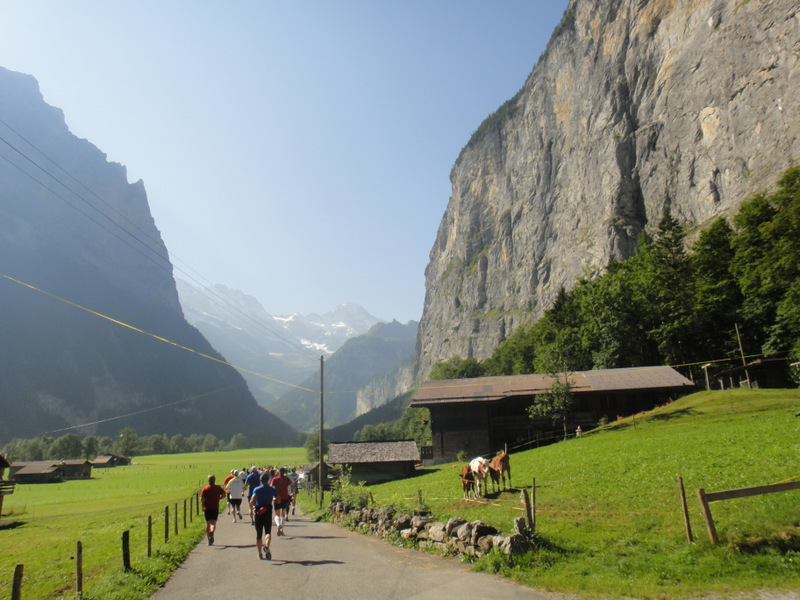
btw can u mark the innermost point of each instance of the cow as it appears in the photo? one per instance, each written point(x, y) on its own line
point(467, 482)
point(499, 466)
point(480, 469)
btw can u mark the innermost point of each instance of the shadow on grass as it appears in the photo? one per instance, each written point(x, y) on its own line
point(674, 414)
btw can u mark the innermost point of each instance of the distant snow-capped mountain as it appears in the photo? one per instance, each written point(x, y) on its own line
point(272, 352)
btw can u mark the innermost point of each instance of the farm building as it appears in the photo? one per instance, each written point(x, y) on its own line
point(44, 471)
point(374, 462)
point(480, 416)
point(110, 460)
point(6, 487)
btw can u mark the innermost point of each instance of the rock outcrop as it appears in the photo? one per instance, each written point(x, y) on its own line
point(635, 106)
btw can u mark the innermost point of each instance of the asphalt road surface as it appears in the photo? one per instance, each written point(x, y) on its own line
point(323, 561)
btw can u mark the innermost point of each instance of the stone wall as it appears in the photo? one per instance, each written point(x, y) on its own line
point(456, 536)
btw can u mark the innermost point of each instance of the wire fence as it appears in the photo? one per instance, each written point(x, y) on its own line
point(175, 516)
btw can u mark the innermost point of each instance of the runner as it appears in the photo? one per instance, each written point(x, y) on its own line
point(211, 495)
point(283, 485)
point(261, 505)
point(234, 488)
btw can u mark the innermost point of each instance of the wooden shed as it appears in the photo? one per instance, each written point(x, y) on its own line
point(374, 462)
point(107, 461)
point(481, 416)
point(6, 486)
point(50, 471)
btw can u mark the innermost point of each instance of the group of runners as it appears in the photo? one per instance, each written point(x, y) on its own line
point(270, 495)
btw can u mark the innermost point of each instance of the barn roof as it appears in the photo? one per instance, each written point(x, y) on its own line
point(373, 452)
point(488, 389)
point(37, 467)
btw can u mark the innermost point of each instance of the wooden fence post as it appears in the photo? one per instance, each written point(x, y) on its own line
point(191, 508)
point(712, 530)
point(79, 569)
point(184, 513)
point(686, 521)
point(149, 536)
point(526, 501)
point(126, 550)
point(533, 501)
point(166, 523)
point(16, 589)
point(176, 519)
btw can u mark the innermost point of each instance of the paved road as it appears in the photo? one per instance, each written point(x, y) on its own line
point(321, 561)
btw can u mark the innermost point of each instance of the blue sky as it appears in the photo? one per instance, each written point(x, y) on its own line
point(297, 151)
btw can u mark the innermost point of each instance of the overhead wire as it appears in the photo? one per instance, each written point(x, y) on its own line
point(146, 245)
point(154, 244)
point(152, 247)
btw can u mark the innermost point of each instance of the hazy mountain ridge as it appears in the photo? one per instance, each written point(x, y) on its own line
point(380, 352)
point(276, 351)
point(84, 351)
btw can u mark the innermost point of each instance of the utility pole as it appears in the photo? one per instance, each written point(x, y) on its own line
point(741, 351)
point(323, 476)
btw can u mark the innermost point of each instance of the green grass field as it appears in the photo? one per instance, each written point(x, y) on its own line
point(608, 504)
point(608, 509)
point(54, 517)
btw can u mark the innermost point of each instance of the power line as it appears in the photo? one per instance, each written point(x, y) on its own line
point(147, 333)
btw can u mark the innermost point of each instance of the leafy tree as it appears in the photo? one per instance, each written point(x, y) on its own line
point(767, 263)
point(716, 295)
point(68, 446)
point(106, 445)
point(312, 446)
point(456, 368)
point(156, 444)
point(128, 443)
point(665, 287)
point(514, 356)
point(238, 442)
point(556, 403)
point(91, 447)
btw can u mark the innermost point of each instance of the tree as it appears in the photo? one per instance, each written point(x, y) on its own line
point(128, 443)
point(68, 446)
point(238, 442)
point(91, 447)
point(312, 447)
point(556, 403)
point(456, 368)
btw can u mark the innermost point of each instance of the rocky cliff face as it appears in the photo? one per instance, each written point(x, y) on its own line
point(636, 105)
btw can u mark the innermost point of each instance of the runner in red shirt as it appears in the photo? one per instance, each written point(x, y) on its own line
point(284, 486)
point(211, 495)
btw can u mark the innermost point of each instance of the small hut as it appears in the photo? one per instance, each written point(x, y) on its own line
point(374, 462)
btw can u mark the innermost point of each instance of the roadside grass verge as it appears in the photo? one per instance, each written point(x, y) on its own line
point(608, 504)
point(51, 518)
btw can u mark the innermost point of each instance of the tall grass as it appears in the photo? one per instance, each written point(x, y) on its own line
point(608, 505)
point(52, 518)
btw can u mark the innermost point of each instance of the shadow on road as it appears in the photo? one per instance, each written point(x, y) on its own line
point(306, 563)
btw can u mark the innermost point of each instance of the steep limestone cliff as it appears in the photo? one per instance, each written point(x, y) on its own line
point(635, 105)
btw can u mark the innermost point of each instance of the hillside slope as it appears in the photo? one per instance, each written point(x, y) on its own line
point(608, 504)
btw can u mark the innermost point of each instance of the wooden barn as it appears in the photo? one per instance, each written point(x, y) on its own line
point(6, 486)
point(481, 416)
point(374, 462)
point(110, 460)
point(50, 471)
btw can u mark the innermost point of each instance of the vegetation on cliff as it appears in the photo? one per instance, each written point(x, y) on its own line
point(669, 305)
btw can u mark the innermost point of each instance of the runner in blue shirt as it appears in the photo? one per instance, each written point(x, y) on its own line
point(253, 480)
point(261, 504)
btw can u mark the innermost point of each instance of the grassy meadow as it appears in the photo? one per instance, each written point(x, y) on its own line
point(54, 517)
point(608, 509)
